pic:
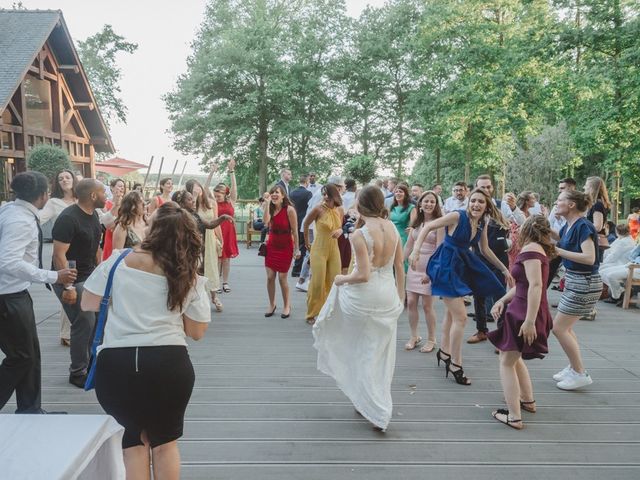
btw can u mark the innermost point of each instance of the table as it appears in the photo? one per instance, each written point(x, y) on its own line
point(39, 447)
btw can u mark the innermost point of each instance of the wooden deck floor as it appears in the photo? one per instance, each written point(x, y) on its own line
point(261, 410)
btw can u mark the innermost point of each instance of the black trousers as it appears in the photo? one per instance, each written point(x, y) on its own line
point(482, 307)
point(20, 370)
point(297, 264)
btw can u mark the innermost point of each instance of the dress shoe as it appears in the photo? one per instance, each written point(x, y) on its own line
point(477, 337)
point(77, 380)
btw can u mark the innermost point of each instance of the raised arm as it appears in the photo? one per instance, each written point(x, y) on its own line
point(233, 194)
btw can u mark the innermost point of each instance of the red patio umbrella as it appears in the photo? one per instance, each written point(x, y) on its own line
point(118, 166)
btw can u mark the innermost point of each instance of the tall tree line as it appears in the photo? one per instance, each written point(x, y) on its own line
point(436, 89)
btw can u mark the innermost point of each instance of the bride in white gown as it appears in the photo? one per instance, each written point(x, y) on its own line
point(355, 333)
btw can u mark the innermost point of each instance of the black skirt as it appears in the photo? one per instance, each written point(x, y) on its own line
point(146, 389)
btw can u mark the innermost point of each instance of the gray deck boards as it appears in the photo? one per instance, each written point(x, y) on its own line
point(261, 410)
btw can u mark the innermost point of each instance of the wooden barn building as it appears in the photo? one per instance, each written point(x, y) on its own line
point(45, 96)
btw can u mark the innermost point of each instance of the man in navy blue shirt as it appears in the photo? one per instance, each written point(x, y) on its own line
point(300, 198)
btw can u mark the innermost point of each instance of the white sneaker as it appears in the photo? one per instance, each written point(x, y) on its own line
point(303, 287)
point(575, 380)
point(558, 377)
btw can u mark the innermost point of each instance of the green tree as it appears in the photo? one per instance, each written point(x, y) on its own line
point(98, 54)
point(598, 45)
point(48, 160)
point(362, 168)
point(257, 88)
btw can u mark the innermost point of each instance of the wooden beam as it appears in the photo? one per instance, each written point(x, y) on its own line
point(41, 63)
point(84, 105)
point(67, 118)
point(146, 177)
point(69, 68)
point(14, 110)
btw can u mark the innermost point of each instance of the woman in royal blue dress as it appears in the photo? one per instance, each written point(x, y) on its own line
point(455, 271)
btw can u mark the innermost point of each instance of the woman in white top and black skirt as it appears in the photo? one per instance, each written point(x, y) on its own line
point(144, 377)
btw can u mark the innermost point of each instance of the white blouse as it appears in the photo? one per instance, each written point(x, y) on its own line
point(138, 314)
point(52, 209)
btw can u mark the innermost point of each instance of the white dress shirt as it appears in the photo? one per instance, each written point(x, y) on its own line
point(314, 187)
point(314, 201)
point(348, 201)
point(19, 248)
point(618, 253)
point(515, 215)
point(556, 221)
point(452, 204)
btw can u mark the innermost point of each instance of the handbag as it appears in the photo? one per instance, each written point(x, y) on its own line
point(90, 382)
point(262, 250)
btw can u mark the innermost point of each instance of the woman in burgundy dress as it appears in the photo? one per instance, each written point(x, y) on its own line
point(282, 246)
point(527, 321)
point(225, 199)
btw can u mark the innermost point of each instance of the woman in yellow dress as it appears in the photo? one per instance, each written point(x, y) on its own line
point(324, 253)
point(208, 211)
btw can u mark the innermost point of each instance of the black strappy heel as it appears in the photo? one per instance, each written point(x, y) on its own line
point(458, 375)
point(528, 406)
point(513, 423)
point(440, 356)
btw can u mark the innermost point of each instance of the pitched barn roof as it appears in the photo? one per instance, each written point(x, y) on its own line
point(23, 33)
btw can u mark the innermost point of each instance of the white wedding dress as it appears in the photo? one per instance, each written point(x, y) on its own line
point(355, 335)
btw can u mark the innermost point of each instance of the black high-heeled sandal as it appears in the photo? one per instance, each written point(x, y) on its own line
point(439, 356)
point(528, 406)
point(458, 375)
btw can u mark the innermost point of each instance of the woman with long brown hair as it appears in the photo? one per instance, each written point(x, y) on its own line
point(208, 211)
point(418, 288)
point(357, 327)
point(131, 224)
point(157, 301)
point(166, 187)
point(527, 321)
point(325, 254)
point(282, 245)
point(63, 194)
point(455, 271)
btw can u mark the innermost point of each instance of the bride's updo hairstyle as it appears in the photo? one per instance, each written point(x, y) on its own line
point(370, 203)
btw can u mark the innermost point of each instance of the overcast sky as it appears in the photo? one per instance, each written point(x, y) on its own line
point(163, 36)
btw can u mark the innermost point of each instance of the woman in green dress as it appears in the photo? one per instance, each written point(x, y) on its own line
point(400, 213)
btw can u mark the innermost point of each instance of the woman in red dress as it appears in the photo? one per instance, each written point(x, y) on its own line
point(282, 246)
point(226, 198)
point(118, 190)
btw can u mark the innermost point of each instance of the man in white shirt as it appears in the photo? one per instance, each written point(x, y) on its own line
point(458, 199)
point(391, 186)
point(557, 222)
point(313, 187)
point(20, 266)
point(349, 196)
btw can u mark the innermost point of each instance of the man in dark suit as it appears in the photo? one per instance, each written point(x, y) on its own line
point(300, 198)
point(285, 179)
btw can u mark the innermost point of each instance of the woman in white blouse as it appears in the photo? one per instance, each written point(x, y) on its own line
point(144, 377)
point(63, 194)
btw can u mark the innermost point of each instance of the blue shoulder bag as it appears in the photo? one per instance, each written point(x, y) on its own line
point(90, 382)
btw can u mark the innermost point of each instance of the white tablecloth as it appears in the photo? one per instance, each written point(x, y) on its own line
point(47, 447)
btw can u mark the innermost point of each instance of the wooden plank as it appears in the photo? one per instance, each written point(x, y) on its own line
point(261, 409)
